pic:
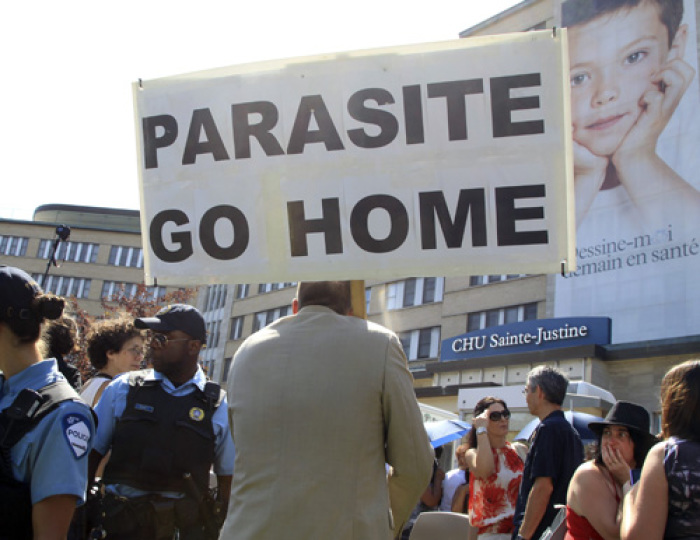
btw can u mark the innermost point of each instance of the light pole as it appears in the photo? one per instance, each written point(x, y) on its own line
point(62, 234)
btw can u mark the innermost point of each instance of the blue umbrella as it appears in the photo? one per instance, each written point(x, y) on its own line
point(577, 419)
point(444, 431)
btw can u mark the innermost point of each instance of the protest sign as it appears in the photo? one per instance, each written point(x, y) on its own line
point(451, 158)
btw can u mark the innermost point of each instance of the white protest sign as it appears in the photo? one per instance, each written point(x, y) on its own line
point(450, 158)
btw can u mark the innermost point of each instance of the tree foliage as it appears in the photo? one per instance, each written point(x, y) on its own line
point(141, 304)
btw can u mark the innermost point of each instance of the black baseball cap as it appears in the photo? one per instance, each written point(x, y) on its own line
point(181, 317)
point(17, 291)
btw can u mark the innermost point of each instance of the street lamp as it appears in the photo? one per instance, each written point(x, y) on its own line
point(62, 234)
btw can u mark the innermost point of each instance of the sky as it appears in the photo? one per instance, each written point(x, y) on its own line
point(68, 134)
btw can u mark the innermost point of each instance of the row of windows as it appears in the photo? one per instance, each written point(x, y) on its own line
point(64, 286)
point(475, 281)
point(421, 343)
point(14, 246)
point(84, 252)
point(479, 320)
point(126, 256)
point(215, 297)
point(243, 290)
point(417, 344)
point(263, 318)
point(269, 287)
point(113, 290)
point(414, 292)
point(87, 252)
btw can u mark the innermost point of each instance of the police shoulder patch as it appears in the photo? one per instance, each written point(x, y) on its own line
point(77, 431)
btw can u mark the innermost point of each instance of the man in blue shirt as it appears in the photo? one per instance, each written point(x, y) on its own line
point(46, 431)
point(555, 453)
point(166, 427)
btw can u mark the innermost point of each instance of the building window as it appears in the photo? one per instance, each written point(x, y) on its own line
point(236, 328)
point(64, 285)
point(226, 367)
point(263, 318)
point(213, 334)
point(215, 297)
point(497, 317)
point(14, 246)
point(429, 288)
point(422, 343)
point(83, 252)
point(241, 291)
point(414, 292)
point(269, 287)
point(409, 292)
point(113, 290)
point(368, 298)
point(126, 256)
point(475, 281)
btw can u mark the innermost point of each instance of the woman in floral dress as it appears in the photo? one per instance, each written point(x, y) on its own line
point(496, 470)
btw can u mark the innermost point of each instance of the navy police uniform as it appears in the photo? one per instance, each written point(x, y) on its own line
point(164, 440)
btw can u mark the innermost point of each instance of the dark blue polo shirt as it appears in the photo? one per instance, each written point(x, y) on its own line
point(555, 452)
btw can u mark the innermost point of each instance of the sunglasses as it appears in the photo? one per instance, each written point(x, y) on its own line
point(497, 415)
point(161, 340)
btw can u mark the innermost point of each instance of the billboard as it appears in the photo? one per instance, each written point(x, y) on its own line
point(636, 131)
point(436, 159)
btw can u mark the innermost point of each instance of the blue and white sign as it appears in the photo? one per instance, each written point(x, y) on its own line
point(528, 336)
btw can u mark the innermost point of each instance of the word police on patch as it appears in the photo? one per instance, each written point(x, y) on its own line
point(76, 429)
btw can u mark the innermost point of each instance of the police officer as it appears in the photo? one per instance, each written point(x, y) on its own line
point(46, 431)
point(165, 426)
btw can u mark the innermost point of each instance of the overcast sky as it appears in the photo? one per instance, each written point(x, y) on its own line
point(68, 132)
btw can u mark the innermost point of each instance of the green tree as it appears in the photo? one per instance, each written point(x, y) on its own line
point(141, 304)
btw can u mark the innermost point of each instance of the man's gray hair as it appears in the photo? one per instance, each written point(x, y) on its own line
point(552, 382)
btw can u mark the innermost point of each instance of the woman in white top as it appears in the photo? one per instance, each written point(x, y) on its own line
point(114, 347)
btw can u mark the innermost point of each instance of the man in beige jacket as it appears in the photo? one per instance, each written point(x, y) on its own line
point(318, 402)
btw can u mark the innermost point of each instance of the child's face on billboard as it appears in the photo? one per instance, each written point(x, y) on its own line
point(613, 59)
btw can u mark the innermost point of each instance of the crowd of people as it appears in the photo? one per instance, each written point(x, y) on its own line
point(637, 486)
point(150, 436)
point(163, 438)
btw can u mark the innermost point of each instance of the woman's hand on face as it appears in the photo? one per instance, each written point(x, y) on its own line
point(482, 420)
point(615, 463)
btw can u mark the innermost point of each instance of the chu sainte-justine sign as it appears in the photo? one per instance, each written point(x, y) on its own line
point(528, 336)
point(443, 159)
